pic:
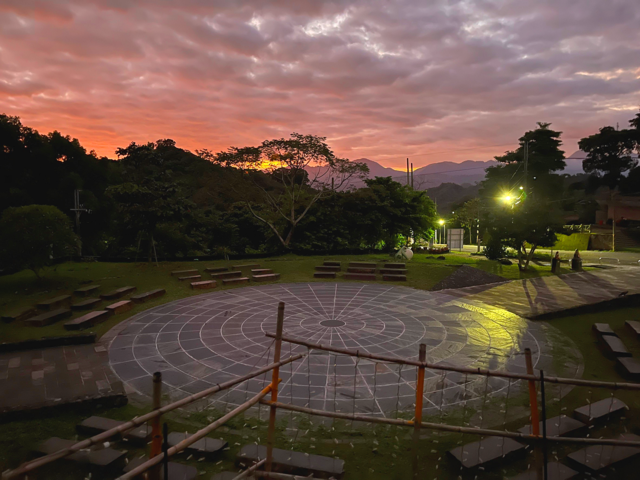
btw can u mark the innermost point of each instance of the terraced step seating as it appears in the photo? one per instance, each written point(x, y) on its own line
point(394, 271)
point(48, 318)
point(55, 303)
point(295, 463)
point(603, 329)
point(599, 411)
point(395, 265)
point(324, 275)
point(328, 268)
point(86, 304)
point(184, 273)
point(146, 296)
point(120, 307)
point(88, 320)
point(118, 293)
point(204, 285)
point(95, 425)
point(204, 446)
point(233, 274)
point(331, 263)
point(88, 290)
point(561, 426)
point(104, 457)
point(235, 281)
point(362, 265)
point(247, 265)
point(630, 367)
point(555, 471)
point(216, 269)
point(599, 457)
point(486, 452)
point(177, 471)
point(261, 271)
point(351, 269)
point(190, 278)
point(266, 277)
point(633, 326)
point(614, 346)
point(359, 276)
point(394, 278)
point(20, 315)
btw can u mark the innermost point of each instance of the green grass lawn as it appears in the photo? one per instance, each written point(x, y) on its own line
point(23, 289)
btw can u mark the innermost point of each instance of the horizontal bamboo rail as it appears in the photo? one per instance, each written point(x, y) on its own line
point(450, 428)
point(279, 476)
point(195, 437)
point(474, 371)
point(101, 437)
point(250, 470)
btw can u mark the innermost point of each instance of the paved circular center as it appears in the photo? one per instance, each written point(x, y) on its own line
point(201, 341)
point(333, 323)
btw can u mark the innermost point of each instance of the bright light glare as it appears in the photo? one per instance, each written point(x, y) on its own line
point(507, 198)
point(441, 222)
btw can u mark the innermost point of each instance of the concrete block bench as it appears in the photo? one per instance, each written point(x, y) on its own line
point(629, 366)
point(88, 290)
point(634, 326)
point(614, 346)
point(601, 410)
point(55, 303)
point(395, 265)
point(246, 265)
point(363, 265)
point(328, 268)
point(225, 476)
point(177, 471)
point(394, 278)
point(216, 269)
point(360, 270)
point(184, 273)
point(603, 329)
point(120, 307)
point(561, 426)
point(261, 271)
point(234, 274)
point(486, 452)
point(87, 304)
point(205, 284)
point(599, 457)
point(48, 318)
point(118, 293)
point(359, 276)
point(88, 320)
point(234, 281)
point(555, 471)
point(205, 446)
point(324, 275)
point(266, 277)
point(20, 315)
point(105, 457)
point(146, 296)
point(394, 271)
point(331, 263)
point(95, 425)
point(190, 278)
point(295, 463)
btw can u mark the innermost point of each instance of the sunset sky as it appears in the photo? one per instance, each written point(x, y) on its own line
point(430, 80)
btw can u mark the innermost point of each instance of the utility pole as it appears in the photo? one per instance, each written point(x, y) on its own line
point(408, 172)
point(411, 175)
point(78, 208)
point(526, 166)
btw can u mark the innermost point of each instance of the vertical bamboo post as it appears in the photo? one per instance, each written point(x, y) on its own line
point(543, 404)
point(275, 378)
point(156, 435)
point(422, 357)
point(165, 448)
point(533, 402)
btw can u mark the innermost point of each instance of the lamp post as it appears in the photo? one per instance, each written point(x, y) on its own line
point(442, 222)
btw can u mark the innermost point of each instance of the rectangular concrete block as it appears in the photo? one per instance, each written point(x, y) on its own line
point(216, 269)
point(118, 293)
point(191, 278)
point(633, 326)
point(235, 281)
point(48, 318)
point(601, 410)
point(394, 271)
point(331, 263)
point(295, 463)
point(55, 303)
point(183, 273)
point(555, 471)
point(104, 457)
point(177, 471)
point(363, 264)
point(88, 290)
point(486, 452)
point(205, 446)
point(630, 367)
point(88, 320)
point(328, 268)
point(120, 307)
point(395, 265)
point(146, 296)
point(87, 304)
point(394, 278)
point(614, 346)
point(266, 278)
point(598, 457)
point(561, 426)
point(261, 271)
point(221, 275)
point(359, 276)
point(204, 285)
point(96, 425)
point(246, 265)
point(324, 275)
point(603, 329)
point(20, 315)
point(360, 270)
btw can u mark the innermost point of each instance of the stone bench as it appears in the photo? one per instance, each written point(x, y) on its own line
point(105, 457)
point(183, 273)
point(561, 426)
point(87, 304)
point(330, 263)
point(360, 270)
point(603, 329)
point(177, 471)
point(48, 318)
point(88, 320)
point(328, 268)
point(394, 278)
point(84, 291)
point(55, 303)
point(216, 269)
point(394, 271)
point(395, 265)
point(295, 463)
point(119, 292)
point(486, 452)
point(146, 296)
point(614, 346)
point(120, 307)
point(95, 425)
point(205, 446)
point(225, 476)
point(234, 281)
point(599, 457)
point(190, 277)
point(20, 315)
point(234, 274)
point(265, 277)
point(629, 366)
point(363, 264)
point(634, 326)
point(555, 471)
point(601, 410)
point(261, 271)
point(247, 265)
point(359, 276)
point(205, 284)
point(324, 275)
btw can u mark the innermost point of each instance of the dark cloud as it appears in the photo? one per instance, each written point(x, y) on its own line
point(382, 79)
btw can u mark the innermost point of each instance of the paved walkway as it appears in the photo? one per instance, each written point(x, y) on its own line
point(534, 297)
point(588, 256)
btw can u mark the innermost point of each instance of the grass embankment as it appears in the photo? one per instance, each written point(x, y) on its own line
point(575, 241)
point(23, 289)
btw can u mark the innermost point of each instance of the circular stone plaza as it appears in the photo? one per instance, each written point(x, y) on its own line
point(202, 341)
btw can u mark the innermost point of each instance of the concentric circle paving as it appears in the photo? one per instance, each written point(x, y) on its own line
point(200, 341)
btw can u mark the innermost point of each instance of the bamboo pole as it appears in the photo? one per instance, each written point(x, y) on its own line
point(279, 476)
point(422, 356)
point(473, 371)
point(535, 420)
point(453, 428)
point(156, 435)
point(101, 437)
point(275, 376)
point(251, 469)
point(196, 436)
